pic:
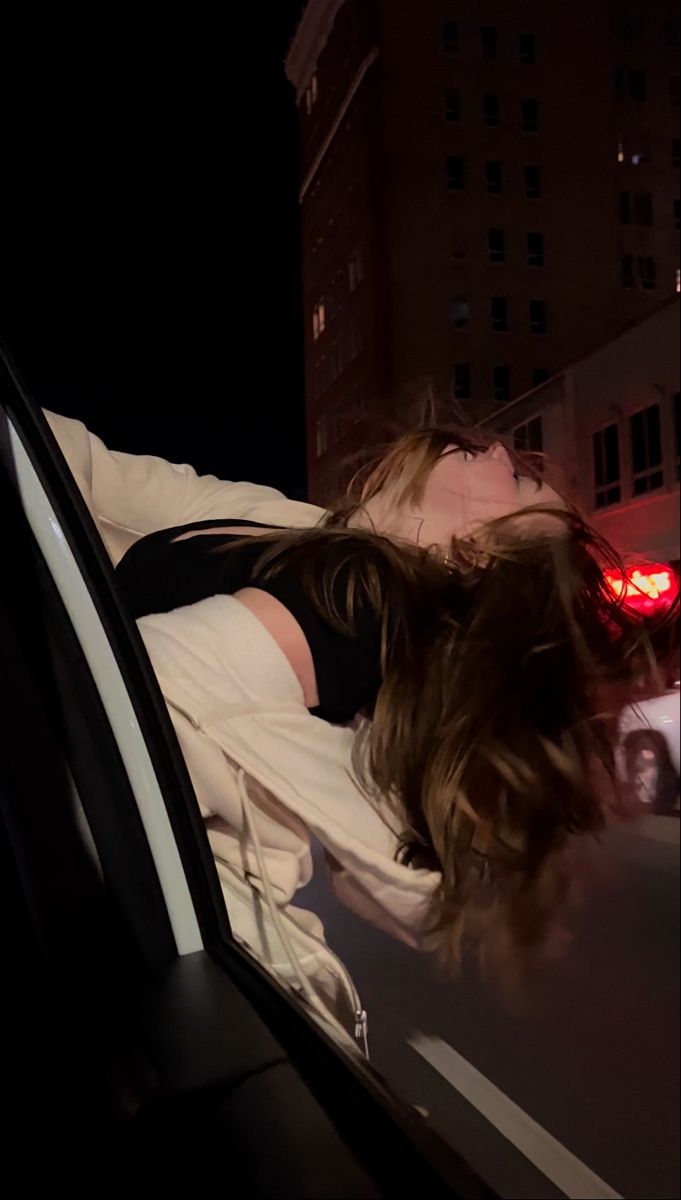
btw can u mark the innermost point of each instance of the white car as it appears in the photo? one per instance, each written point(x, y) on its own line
point(649, 750)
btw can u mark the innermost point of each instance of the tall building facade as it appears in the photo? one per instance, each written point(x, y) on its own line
point(485, 191)
point(612, 420)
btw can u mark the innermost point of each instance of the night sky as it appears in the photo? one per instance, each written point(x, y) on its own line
point(149, 258)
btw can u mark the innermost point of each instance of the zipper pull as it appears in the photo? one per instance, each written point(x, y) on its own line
point(362, 1029)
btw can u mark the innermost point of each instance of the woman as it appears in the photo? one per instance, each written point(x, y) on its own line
point(417, 681)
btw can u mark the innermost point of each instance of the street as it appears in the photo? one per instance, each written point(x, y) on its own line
point(582, 1074)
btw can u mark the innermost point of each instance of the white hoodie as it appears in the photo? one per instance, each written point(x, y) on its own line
point(256, 755)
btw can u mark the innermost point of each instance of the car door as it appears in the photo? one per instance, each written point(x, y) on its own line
point(139, 1038)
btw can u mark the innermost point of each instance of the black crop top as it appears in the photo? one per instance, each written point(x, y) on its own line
point(159, 574)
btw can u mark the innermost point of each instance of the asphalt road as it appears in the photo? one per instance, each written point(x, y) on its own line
point(582, 1075)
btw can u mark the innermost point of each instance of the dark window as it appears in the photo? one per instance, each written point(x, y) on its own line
point(627, 264)
point(529, 436)
point(677, 213)
point(527, 47)
point(539, 376)
point(647, 272)
point(462, 381)
point(450, 37)
point(452, 105)
point(460, 312)
point(496, 241)
point(537, 316)
point(637, 83)
point(674, 90)
point(643, 208)
point(626, 25)
point(455, 173)
point(625, 208)
point(535, 250)
point(670, 32)
point(493, 178)
point(676, 151)
point(499, 309)
point(502, 385)
point(491, 108)
point(532, 177)
point(631, 83)
point(646, 450)
point(490, 41)
point(606, 456)
point(529, 112)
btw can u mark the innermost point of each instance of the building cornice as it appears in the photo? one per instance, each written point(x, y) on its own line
point(337, 121)
point(310, 39)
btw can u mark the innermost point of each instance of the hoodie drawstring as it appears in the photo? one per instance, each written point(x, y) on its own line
point(303, 979)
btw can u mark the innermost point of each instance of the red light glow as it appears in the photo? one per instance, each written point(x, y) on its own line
point(648, 587)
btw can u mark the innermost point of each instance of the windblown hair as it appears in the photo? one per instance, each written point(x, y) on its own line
point(504, 665)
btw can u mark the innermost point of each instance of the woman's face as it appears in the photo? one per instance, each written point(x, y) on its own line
point(463, 493)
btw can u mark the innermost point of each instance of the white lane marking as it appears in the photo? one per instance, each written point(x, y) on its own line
point(555, 1162)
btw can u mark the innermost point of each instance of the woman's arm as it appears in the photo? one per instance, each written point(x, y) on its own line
point(138, 493)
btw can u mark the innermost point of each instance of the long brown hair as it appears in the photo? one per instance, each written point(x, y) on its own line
point(504, 666)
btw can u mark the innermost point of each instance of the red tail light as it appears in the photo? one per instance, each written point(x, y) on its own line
point(645, 588)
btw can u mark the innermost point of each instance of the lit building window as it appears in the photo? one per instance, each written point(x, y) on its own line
point(646, 450)
point(499, 313)
point(606, 459)
point(318, 319)
point(537, 316)
point(529, 436)
point(535, 250)
point(640, 156)
point(620, 152)
point(678, 279)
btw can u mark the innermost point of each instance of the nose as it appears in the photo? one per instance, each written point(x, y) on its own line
point(500, 453)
